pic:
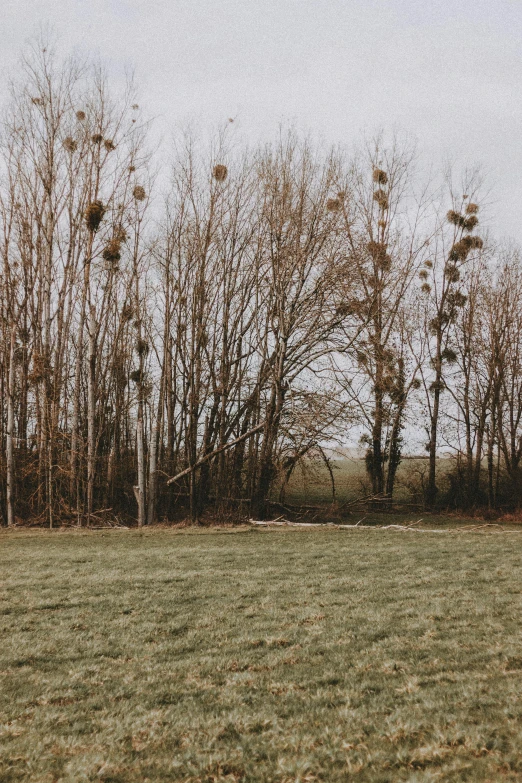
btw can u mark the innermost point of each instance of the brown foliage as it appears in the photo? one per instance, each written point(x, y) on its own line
point(220, 172)
point(94, 215)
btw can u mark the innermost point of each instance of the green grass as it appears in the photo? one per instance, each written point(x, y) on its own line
point(320, 655)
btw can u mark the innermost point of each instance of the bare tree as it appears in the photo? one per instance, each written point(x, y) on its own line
point(445, 299)
point(385, 234)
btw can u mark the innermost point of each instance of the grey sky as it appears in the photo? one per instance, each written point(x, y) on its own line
point(447, 71)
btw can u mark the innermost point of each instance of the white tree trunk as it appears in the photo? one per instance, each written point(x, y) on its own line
point(141, 469)
point(90, 414)
point(153, 465)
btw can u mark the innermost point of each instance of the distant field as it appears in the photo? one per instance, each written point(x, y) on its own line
point(311, 482)
point(257, 656)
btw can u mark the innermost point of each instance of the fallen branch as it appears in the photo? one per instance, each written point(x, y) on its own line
point(279, 522)
point(212, 454)
point(403, 528)
point(364, 499)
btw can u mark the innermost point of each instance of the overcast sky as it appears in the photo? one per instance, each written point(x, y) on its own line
point(449, 72)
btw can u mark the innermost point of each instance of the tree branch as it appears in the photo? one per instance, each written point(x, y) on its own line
point(215, 452)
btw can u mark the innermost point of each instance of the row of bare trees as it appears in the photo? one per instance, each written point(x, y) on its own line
point(167, 349)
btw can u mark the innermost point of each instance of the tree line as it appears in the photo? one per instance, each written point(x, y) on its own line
point(178, 347)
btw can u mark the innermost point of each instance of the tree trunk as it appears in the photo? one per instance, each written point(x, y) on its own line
point(91, 402)
point(432, 489)
point(10, 490)
point(153, 462)
point(141, 467)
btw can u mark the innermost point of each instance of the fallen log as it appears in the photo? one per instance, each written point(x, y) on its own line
point(403, 528)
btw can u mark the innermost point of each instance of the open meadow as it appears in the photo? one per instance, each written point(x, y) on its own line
point(251, 655)
point(311, 482)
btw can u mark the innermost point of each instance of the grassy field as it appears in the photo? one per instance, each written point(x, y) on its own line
point(321, 655)
point(310, 482)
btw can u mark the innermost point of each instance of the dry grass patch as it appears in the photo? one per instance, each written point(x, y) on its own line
point(260, 656)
